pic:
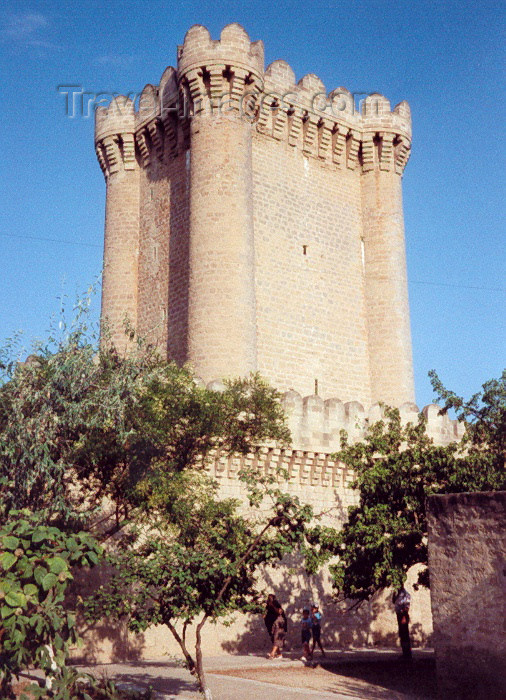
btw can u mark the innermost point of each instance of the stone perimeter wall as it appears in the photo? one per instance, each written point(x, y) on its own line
point(467, 559)
point(324, 484)
point(316, 424)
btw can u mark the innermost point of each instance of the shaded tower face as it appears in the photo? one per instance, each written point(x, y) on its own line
point(255, 223)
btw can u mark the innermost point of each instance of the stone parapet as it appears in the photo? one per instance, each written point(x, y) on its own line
point(234, 48)
point(114, 136)
point(328, 126)
point(317, 424)
point(228, 75)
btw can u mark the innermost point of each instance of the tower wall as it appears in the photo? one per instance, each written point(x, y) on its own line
point(269, 225)
point(115, 128)
point(221, 304)
point(309, 280)
point(386, 284)
point(163, 255)
point(221, 289)
point(386, 288)
point(162, 148)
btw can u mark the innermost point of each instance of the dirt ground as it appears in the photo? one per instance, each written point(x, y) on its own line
point(392, 679)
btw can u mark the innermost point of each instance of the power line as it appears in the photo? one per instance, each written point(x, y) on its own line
point(410, 281)
point(50, 240)
point(457, 286)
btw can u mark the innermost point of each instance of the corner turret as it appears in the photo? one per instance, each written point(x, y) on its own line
point(114, 135)
point(219, 72)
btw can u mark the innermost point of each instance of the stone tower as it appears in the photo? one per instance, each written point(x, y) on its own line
point(255, 223)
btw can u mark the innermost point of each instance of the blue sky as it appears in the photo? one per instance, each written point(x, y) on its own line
point(445, 58)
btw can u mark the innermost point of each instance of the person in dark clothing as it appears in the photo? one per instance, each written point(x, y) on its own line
point(402, 601)
point(271, 613)
point(305, 634)
point(278, 635)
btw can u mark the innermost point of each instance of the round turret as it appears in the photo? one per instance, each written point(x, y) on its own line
point(234, 48)
point(117, 118)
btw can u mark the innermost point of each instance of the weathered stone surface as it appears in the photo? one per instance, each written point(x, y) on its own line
point(467, 561)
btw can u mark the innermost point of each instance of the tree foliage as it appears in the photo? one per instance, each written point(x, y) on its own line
point(36, 564)
point(80, 414)
point(484, 415)
point(118, 445)
point(396, 468)
point(198, 559)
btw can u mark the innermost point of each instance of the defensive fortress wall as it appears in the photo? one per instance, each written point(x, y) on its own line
point(254, 222)
point(325, 484)
point(316, 426)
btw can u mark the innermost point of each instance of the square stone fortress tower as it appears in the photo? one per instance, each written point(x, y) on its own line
point(255, 223)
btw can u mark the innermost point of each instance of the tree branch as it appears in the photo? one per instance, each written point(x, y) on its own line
point(241, 561)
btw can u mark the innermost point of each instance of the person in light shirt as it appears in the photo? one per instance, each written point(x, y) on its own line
point(316, 628)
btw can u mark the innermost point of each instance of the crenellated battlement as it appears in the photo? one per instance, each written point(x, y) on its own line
point(226, 76)
point(114, 135)
point(316, 424)
point(328, 126)
point(234, 49)
point(216, 74)
point(307, 468)
point(313, 476)
point(220, 76)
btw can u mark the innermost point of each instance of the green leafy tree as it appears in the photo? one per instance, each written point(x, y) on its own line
point(198, 560)
point(36, 563)
point(80, 423)
point(396, 468)
point(484, 416)
point(91, 439)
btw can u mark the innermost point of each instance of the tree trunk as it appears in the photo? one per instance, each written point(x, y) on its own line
point(198, 661)
point(188, 657)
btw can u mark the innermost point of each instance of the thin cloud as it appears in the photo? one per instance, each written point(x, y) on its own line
point(115, 60)
point(26, 29)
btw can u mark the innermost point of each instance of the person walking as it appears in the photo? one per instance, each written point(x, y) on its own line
point(305, 634)
point(402, 602)
point(271, 613)
point(278, 635)
point(316, 628)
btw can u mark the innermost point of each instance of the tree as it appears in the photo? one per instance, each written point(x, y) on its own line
point(198, 559)
point(78, 413)
point(36, 560)
point(90, 439)
point(484, 415)
point(396, 468)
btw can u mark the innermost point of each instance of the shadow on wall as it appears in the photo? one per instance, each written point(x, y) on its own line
point(373, 624)
point(107, 639)
point(164, 255)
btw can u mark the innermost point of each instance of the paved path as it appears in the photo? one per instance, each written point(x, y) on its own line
point(345, 675)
